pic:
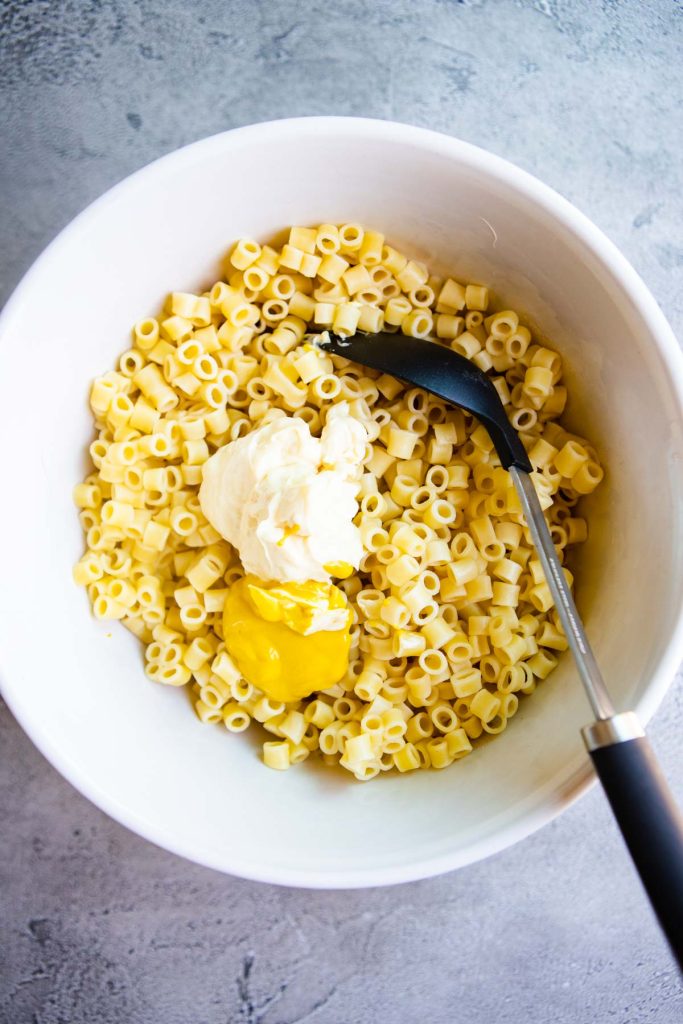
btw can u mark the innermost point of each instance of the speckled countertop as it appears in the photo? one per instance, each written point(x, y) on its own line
point(98, 926)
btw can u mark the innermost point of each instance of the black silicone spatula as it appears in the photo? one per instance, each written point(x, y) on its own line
point(649, 820)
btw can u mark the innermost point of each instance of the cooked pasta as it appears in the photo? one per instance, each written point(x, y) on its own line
point(452, 617)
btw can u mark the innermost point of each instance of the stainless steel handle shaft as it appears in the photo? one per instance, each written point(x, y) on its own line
point(589, 672)
point(646, 813)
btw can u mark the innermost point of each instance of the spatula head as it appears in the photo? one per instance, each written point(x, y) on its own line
point(442, 372)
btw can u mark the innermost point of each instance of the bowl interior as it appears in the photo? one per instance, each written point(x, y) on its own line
point(78, 686)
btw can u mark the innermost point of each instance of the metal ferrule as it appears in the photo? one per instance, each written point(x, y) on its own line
point(608, 731)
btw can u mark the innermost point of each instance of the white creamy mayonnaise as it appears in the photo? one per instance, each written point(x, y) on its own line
point(286, 500)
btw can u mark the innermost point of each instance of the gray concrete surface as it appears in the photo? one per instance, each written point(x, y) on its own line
point(99, 926)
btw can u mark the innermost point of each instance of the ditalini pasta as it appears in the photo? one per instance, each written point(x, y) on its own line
point(452, 618)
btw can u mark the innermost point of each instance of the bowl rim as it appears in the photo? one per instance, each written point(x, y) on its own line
point(548, 804)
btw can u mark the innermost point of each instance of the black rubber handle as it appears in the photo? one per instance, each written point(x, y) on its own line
point(651, 825)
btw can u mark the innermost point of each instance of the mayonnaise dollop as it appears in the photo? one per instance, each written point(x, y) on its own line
point(286, 500)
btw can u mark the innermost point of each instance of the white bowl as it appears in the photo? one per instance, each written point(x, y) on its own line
point(77, 686)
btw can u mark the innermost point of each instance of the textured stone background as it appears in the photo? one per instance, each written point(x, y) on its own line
point(99, 926)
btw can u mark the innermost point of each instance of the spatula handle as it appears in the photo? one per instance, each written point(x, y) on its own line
point(643, 806)
point(650, 822)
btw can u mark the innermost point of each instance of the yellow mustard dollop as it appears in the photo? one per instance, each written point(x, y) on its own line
point(272, 633)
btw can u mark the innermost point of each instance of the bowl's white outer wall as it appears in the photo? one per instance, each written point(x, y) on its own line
point(77, 686)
